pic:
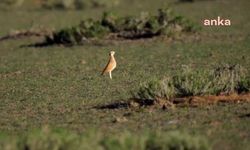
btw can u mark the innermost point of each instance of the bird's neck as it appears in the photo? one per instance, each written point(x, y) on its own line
point(112, 57)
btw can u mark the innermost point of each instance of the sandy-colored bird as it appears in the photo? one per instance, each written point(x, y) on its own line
point(111, 64)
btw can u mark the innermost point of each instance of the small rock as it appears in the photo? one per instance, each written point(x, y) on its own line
point(120, 119)
point(173, 122)
point(134, 104)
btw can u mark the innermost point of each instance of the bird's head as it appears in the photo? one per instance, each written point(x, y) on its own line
point(112, 53)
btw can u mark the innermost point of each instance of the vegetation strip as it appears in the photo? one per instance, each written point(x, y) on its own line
point(60, 4)
point(144, 26)
point(58, 139)
point(26, 33)
point(194, 86)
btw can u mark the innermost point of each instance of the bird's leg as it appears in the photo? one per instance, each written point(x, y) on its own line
point(110, 75)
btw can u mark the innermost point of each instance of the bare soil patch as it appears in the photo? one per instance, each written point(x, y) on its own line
point(192, 101)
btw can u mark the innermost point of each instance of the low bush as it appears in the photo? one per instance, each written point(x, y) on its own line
point(12, 3)
point(61, 4)
point(48, 139)
point(78, 4)
point(193, 0)
point(175, 141)
point(224, 79)
point(143, 26)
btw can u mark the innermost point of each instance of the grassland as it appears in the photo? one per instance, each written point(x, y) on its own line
point(61, 86)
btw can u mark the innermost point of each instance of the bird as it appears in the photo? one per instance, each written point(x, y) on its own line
point(111, 64)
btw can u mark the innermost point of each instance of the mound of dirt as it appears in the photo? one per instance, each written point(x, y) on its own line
point(211, 99)
point(191, 101)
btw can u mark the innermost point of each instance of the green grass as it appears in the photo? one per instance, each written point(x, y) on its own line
point(58, 139)
point(59, 86)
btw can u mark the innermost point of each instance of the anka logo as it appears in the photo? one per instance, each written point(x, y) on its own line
point(217, 22)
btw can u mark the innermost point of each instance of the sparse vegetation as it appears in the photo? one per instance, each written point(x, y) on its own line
point(193, 0)
point(58, 139)
point(189, 82)
point(78, 4)
point(13, 3)
point(144, 26)
point(62, 4)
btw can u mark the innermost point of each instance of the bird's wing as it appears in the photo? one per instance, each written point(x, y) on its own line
point(108, 67)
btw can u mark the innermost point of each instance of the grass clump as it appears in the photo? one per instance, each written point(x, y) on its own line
point(177, 141)
point(193, 0)
point(78, 35)
point(57, 139)
point(224, 79)
point(78, 4)
point(143, 26)
point(12, 3)
point(60, 4)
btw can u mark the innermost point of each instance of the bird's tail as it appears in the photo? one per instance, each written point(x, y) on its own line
point(103, 72)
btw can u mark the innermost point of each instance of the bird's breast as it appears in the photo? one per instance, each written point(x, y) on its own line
point(113, 61)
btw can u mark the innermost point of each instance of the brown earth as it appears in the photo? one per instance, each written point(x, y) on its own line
point(192, 101)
